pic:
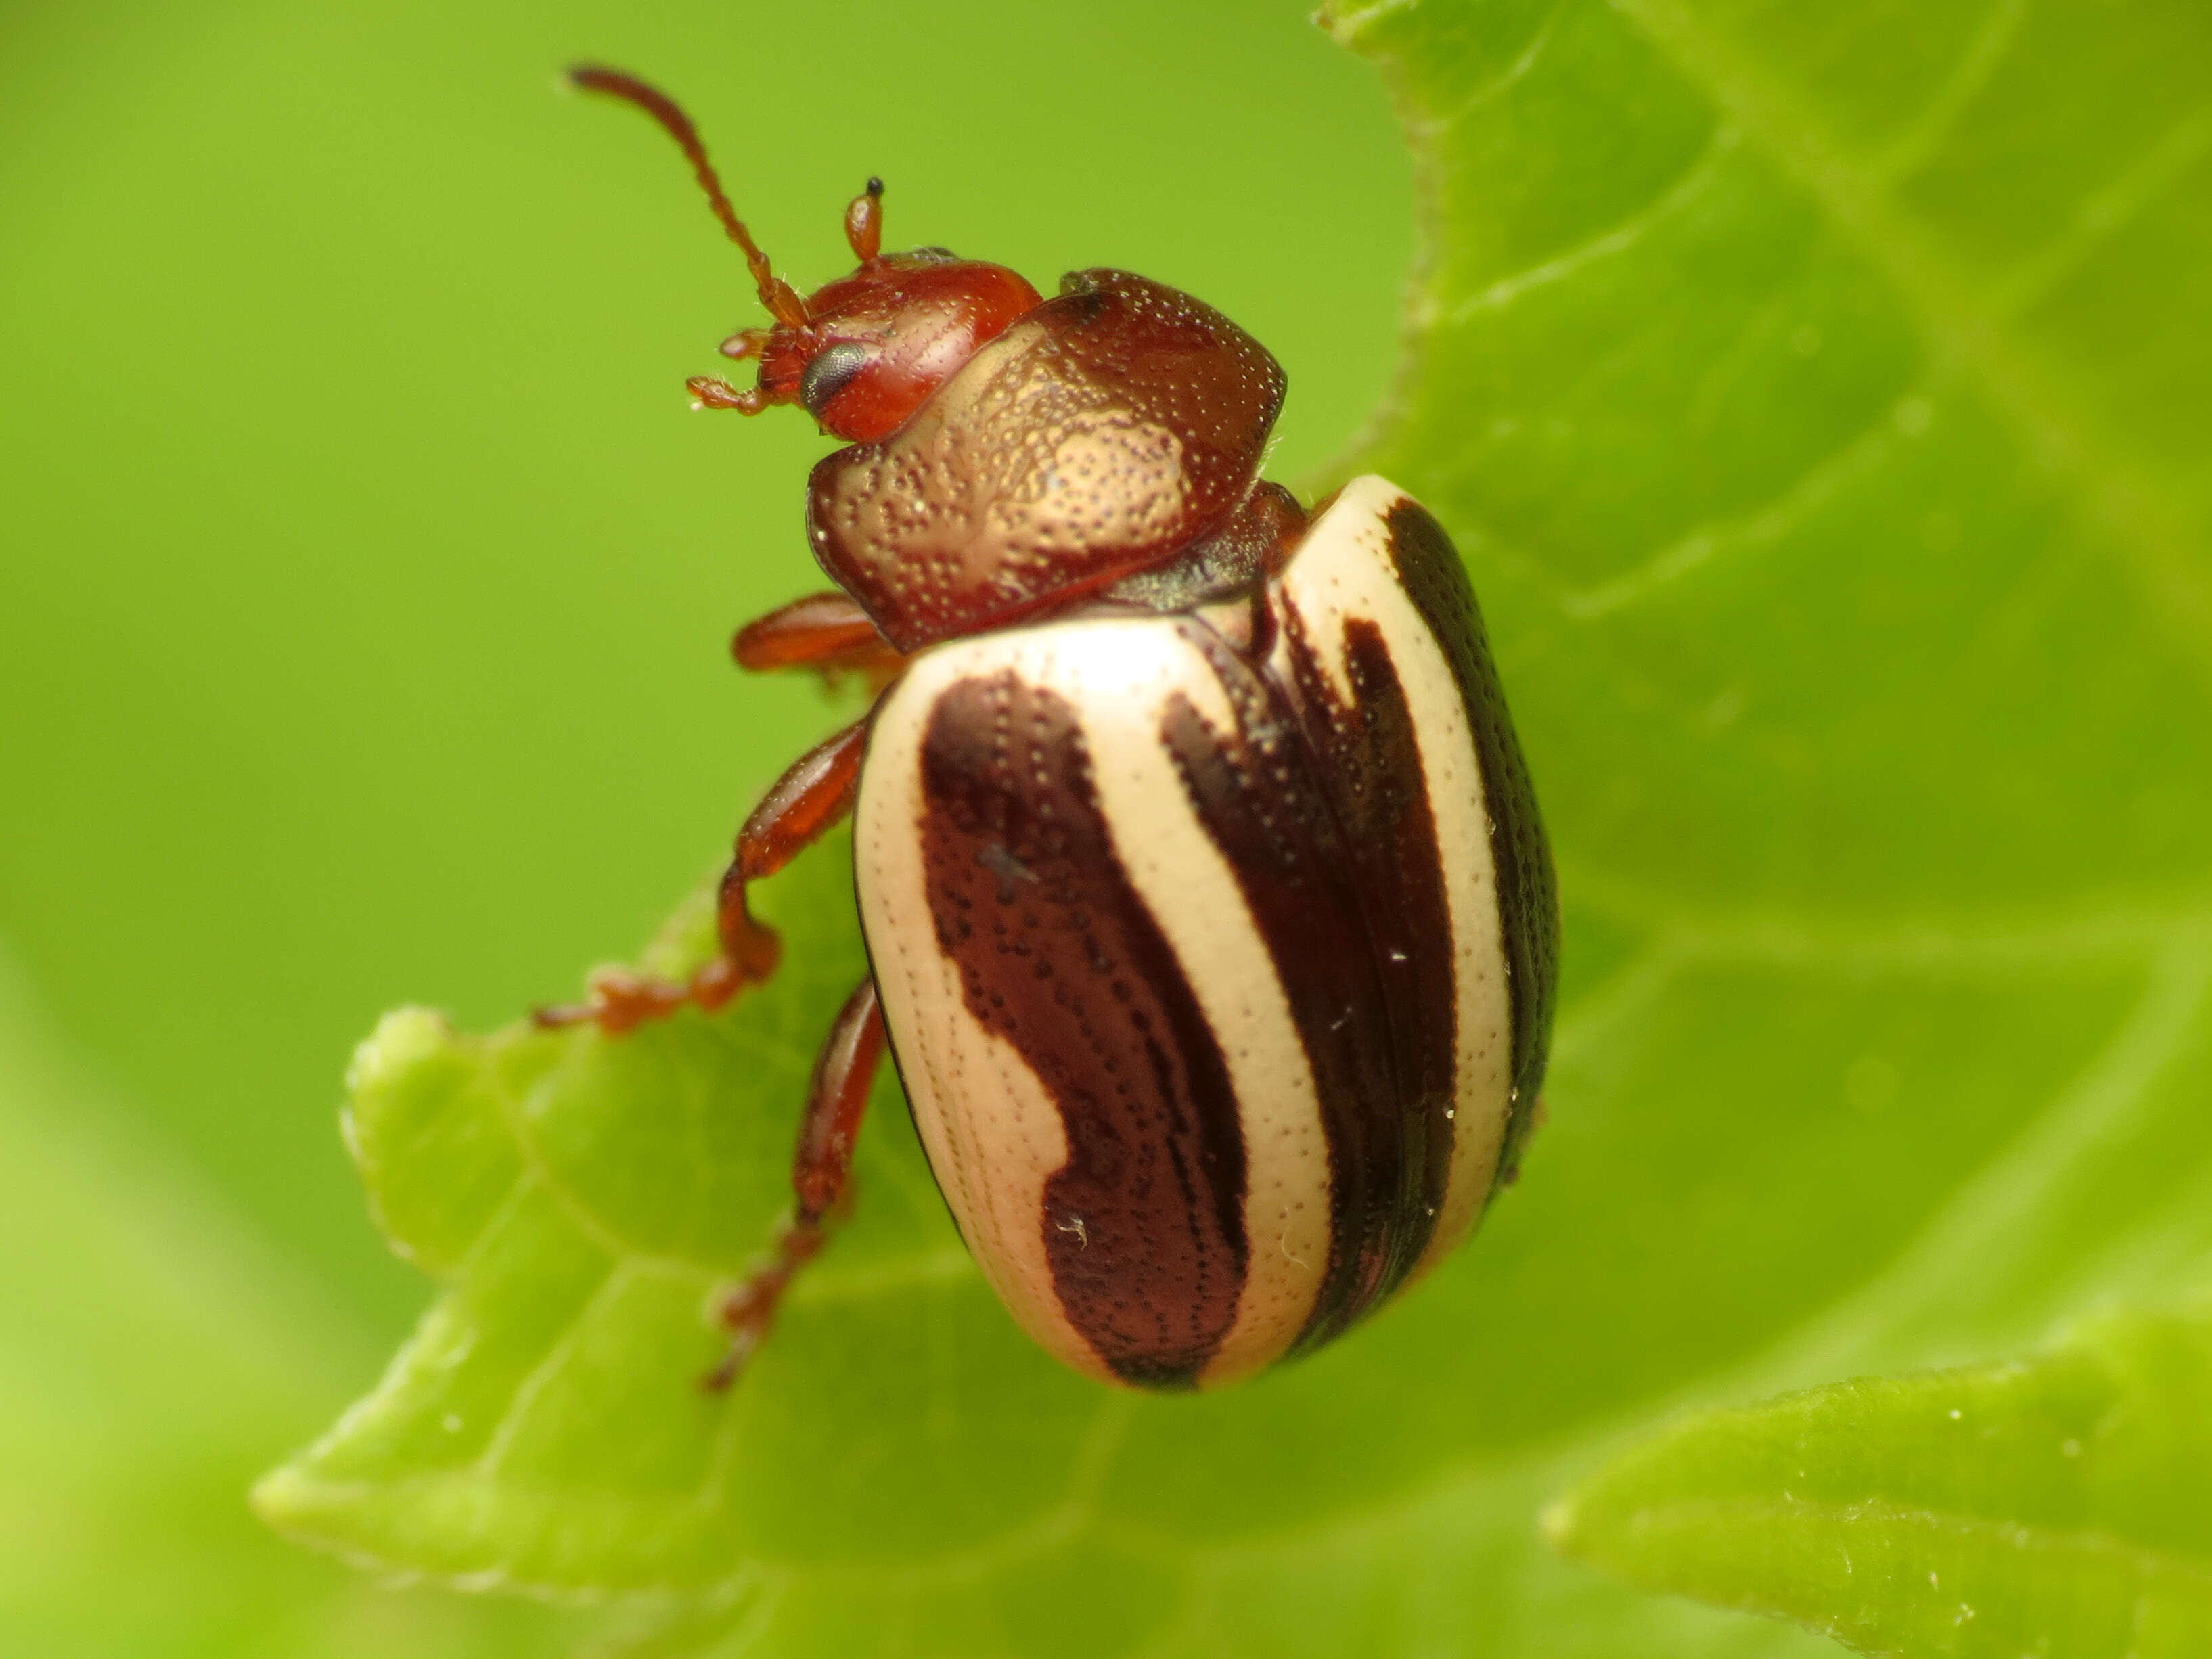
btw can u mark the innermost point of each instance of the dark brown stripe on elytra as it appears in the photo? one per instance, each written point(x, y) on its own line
point(1389, 1148)
point(1144, 1226)
point(1429, 568)
point(1256, 792)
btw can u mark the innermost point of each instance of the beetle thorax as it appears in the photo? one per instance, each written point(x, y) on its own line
point(1112, 430)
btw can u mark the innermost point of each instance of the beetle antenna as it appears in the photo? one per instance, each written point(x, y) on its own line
point(781, 299)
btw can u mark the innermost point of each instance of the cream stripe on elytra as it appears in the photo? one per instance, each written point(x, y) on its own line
point(1193, 895)
point(993, 1135)
point(1119, 673)
point(1343, 568)
point(1074, 717)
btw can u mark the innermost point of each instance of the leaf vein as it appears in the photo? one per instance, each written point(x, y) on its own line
point(2001, 1199)
point(1762, 527)
point(1691, 184)
point(580, 1213)
point(1511, 76)
point(2124, 198)
point(534, 1382)
point(1988, 942)
point(1916, 146)
point(2158, 549)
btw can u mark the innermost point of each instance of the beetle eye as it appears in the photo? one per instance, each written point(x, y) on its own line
point(828, 371)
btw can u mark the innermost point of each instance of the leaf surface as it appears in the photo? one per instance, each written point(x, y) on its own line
point(1819, 396)
point(2053, 1506)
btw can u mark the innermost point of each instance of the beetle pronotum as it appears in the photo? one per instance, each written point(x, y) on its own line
point(1211, 922)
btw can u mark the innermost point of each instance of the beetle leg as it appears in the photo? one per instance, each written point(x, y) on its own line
point(821, 1172)
point(807, 801)
point(826, 632)
point(810, 799)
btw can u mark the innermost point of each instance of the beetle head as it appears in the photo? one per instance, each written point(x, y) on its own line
point(876, 343)
point(862, 353)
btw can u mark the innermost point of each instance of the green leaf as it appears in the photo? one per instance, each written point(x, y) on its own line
point(2053, 1506)
point(584, 1198)
point(1820, 398)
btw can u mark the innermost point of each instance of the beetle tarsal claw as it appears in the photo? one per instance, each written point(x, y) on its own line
point(620, 1001)
point(740, 1349)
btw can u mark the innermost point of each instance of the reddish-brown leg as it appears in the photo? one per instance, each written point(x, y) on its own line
point(821, 1172)
point(806, 800)
point(826, 632)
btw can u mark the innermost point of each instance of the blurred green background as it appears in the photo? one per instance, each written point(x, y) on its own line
point(364, 604)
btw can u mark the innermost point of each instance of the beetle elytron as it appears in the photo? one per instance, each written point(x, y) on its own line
point(1210, 916)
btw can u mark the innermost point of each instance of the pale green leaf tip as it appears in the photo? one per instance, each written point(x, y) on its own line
point(315, 1513)
point(1345, 24)
point(285, 1499)
point(402, 1038)
point(274, 1496)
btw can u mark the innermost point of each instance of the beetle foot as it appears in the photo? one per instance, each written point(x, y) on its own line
point(748, 1312)
point(732, 1362)
point(621, 1001)
point(751, 950)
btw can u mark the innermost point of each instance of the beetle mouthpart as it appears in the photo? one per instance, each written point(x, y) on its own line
point(708, 393)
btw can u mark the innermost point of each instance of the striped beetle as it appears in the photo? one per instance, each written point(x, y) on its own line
point(1211, 922)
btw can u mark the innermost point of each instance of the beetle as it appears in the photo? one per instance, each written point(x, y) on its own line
point(1211, 922)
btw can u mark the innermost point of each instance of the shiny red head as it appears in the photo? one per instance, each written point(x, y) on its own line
point(861, 354)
